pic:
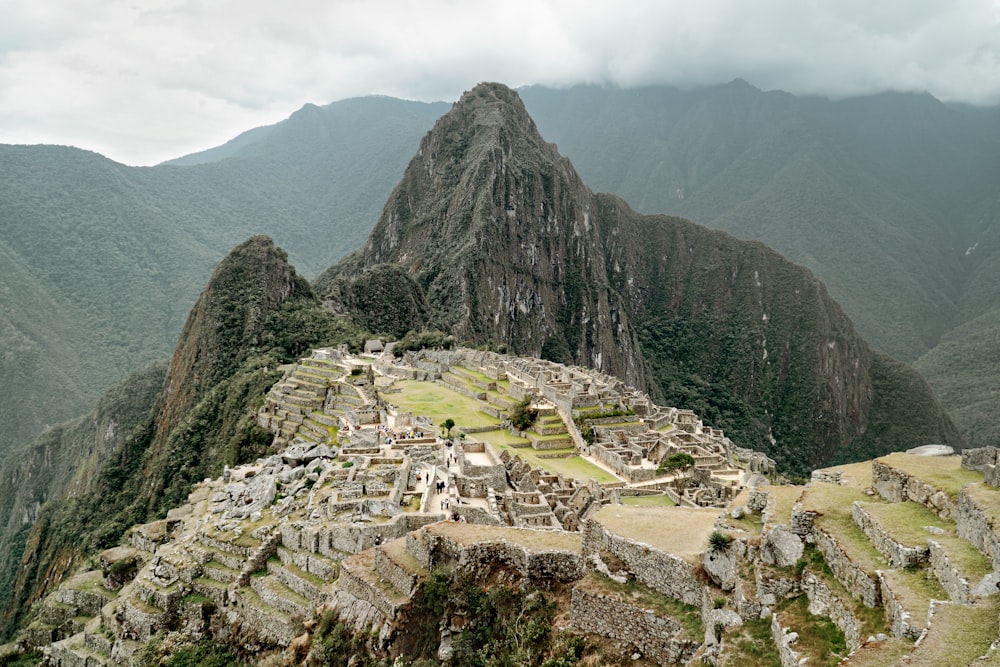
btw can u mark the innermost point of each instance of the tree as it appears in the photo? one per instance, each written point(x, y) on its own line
point(447, 425)
point(676, 462)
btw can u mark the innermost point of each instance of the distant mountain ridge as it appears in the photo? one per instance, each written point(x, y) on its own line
point(508, 246)
point(904, 181)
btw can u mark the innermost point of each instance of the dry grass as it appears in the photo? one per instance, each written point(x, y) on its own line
point(880, 654)
point(958, 634)
point(941, 472)
point(782, 499)
point(536, 540)
point(915, 589)
point(682, 531)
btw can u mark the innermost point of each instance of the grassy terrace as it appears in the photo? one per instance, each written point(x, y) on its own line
point(682, 531)
point(475, 374)
point(572, 466)
point(648, 501)
point(958, 635)
point(905, 523)
point(636, 594)
point(833, 504)
point(941, 472)
point(782, 499)
point(880, 654)
point(439, 403)
point(987, 498)
point(533, 540)
point(915, 589)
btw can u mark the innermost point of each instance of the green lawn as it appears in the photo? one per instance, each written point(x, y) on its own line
point(439, 403)
point(648, 501)
point(501, 437)
point(571, 466)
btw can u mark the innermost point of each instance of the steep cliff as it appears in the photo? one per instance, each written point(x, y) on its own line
point(152, 438)
point(511, 249)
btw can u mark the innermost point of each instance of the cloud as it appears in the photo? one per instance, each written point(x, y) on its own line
point(142, 82)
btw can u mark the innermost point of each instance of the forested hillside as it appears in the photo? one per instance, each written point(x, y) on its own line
point(100, 263)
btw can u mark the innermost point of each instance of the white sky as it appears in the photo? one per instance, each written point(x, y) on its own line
point(143, 81)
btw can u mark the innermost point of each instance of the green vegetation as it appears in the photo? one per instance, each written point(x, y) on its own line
point(719, 541)
point(439, 403)
point(522, 415)
point(564, 462)
point(648, 501)
point(679, 461)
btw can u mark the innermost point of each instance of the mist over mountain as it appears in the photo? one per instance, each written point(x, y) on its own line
point(886, 198)
point(490, 236)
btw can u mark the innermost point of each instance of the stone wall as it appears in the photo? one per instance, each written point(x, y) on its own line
point(823, 602)
point(976, 525)
point(984, 460)
point(483, 557)
point(901, 622)
point(863, 587)
point(784, 641)
point(654, 636)
point(897, 554)
point(951, 579)
point(897, 486)
point(663, 572)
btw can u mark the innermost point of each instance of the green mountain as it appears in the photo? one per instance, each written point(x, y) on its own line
point(493, 237)
point(889, 199)
point(510, 248)
point(80, 486)
point(99, 262)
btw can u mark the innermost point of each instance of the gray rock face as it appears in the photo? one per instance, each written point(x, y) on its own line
point(720, 566)
point(781, 547)
point(932, 450)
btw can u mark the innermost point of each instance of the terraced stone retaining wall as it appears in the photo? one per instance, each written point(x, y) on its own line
point(823, 602)
point(975, 524)
point(863, 587)
point(655, 636)
point(951, 579)
point(663, 572)
point(897, 554)
point(897, 486)
point(901, 622)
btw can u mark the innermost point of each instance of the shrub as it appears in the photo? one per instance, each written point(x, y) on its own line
point(719, 541)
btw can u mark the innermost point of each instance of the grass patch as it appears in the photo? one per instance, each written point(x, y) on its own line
point(959, 634)
point(905, 523)
point(820, 640)
point(941, 472)
point(502, 438)
point(648, 501)
point(439, 403)
point(573, 466)
point(782, 500)
point(915, 588)
point(750, 644)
